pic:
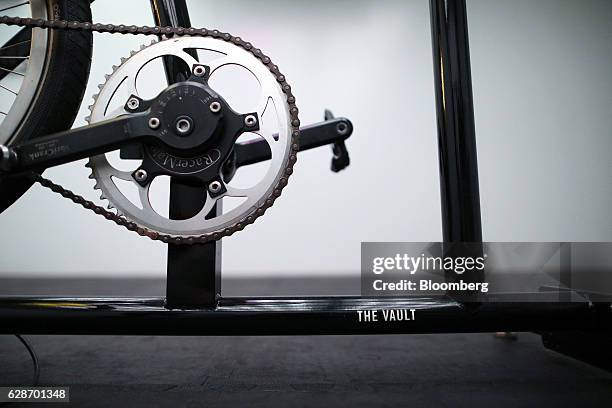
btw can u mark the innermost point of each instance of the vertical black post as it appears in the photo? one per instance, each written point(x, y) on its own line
point(193, 272)
point(461, 226)
point(455, 114)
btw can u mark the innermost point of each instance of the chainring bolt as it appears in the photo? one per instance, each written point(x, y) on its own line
point(215, 107)
point(215, 187)
point(133, 103)
point(250, 120)
point(199, 70)
point(154, 123)
point(140, 175)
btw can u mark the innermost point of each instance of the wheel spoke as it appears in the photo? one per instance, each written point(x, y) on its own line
point(12, 72)
point(15, 45)
point(7, 89)
point(15, 6)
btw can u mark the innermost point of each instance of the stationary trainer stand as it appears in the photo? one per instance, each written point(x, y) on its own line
point(194, 305)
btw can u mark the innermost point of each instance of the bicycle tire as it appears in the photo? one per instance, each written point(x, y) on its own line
point(60, 89)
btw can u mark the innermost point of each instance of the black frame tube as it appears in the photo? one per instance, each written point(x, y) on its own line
point(455, 118)
point(288, 316)
point(194, 271)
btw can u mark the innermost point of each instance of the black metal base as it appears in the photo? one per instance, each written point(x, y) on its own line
point(287, 316)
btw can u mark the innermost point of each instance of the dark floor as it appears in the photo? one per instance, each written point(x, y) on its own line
point(371, 371)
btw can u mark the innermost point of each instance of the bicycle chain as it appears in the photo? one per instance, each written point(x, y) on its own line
point(170, 32)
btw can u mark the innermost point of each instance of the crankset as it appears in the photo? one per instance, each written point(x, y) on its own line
point(188, 132)
point(199, 129)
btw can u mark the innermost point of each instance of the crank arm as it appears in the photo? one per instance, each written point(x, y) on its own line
point(76, 144)
point(103, 137)
point(316, 135)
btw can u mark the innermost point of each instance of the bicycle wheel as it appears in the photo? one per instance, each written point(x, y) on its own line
point(43, 75)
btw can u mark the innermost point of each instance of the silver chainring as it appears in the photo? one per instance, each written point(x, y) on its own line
point(275, 128)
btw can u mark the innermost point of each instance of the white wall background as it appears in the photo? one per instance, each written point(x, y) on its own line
point(543, 101)
point(543, 114)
